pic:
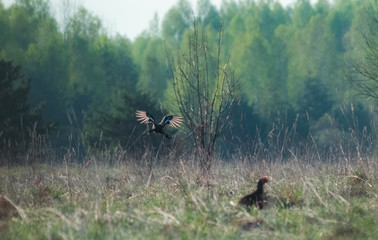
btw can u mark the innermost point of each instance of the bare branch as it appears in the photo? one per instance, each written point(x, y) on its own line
point(363, 73)
point(205, 90)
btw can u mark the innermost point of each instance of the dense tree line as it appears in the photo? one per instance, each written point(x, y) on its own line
point(289, 59)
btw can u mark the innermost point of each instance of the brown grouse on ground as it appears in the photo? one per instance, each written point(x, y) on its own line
point(257, 197)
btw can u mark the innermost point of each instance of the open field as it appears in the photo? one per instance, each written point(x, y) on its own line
point(307, 200)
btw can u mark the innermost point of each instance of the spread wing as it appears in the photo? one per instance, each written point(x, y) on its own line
point(144, 117)
point(172, 120)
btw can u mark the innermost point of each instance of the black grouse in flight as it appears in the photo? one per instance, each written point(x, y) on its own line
point(171, 120)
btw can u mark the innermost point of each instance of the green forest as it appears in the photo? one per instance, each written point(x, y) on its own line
point(68, 81)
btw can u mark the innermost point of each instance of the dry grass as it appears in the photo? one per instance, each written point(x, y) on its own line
point(129, 200)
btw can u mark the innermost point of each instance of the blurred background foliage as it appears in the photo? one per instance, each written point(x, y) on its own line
point(291, 61)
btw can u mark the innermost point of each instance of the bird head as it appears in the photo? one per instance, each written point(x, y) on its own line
point(264, 179)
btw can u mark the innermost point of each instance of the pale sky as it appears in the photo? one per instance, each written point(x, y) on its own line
point(130, 17)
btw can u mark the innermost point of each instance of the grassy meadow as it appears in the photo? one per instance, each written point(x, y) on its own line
point(336, 198)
